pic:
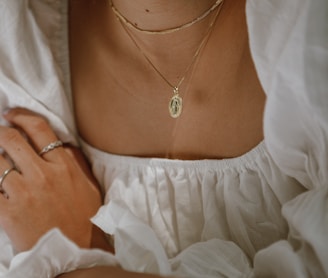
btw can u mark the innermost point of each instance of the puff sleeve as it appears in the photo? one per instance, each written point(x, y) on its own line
point(289, 44)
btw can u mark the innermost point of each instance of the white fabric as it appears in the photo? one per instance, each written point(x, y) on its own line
point(40, 261)
point(261, 214)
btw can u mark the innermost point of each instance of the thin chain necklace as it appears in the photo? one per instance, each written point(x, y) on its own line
point(175, 103)
point(164, 31)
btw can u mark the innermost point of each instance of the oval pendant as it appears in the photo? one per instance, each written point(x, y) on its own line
point(175, 106)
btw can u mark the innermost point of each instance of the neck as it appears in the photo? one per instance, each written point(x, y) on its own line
point(171, 53)
point(161, 14)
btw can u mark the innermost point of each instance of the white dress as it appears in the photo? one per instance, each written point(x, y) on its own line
point(263, 214)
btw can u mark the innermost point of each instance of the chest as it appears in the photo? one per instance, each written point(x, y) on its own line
point(122, 104)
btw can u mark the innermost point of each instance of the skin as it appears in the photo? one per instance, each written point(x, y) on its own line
point(127, 113)
point(121, 107)
point(105, 271)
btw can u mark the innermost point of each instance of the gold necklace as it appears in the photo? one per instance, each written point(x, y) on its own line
point(175, 103)
point(164, 31)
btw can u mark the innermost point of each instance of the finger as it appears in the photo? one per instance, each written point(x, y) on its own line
point(18, 148)
point(38, 131)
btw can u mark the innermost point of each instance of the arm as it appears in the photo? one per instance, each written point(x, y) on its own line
point(105, 271)
point(98, 239)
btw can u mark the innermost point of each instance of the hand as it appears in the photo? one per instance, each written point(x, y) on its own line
point(49, 191)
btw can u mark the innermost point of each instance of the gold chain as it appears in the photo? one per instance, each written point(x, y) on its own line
point(164, 31)
point(175, 104)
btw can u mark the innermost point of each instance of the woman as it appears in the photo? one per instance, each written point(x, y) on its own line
point(168, 109)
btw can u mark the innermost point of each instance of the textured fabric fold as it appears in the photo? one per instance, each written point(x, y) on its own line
point(292, 60)
point(52, 255)
point(239, 210)
point(213, 258)
point(136, 245)
point(305, 254)
point(29, 73)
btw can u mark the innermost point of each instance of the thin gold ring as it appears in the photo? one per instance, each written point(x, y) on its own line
point(3, 176)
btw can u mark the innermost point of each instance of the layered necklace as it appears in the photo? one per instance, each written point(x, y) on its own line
point(164, 31)
point(175, 103)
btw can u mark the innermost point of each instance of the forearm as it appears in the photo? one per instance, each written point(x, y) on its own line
point(104, 272)
point(98, 239)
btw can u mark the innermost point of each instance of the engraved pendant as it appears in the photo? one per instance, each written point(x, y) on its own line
point(175, 104)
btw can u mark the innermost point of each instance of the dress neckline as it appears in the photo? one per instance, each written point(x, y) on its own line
point(246, 160)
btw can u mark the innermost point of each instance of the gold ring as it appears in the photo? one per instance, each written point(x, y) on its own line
point(3, 176)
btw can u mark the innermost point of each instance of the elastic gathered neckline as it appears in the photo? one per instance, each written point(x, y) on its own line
point(243, 161)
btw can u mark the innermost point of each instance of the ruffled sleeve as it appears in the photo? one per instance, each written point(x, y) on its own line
point(289, 44)
point(52, 255)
